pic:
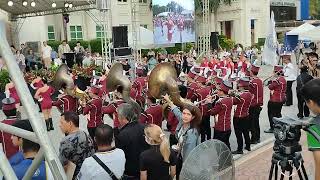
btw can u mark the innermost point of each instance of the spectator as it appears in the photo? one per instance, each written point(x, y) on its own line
point(77, 145)
point(46, 55)
point(152, 62)
point(312, 64)
point(113, 158)
point(79, 50)
point(63, 48)
point(24, 49)
point(30, 150)
point(130, 139)
point(32, 61)
point(290, 74)
point(310, 93)
point(87, 60)
point(155, 162)
point(20, 60)
point(302, 79)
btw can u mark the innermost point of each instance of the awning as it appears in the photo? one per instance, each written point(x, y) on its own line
point(313, 35)
point(301, 29)
point(44, 7)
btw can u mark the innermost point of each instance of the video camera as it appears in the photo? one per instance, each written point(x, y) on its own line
point(287, 132)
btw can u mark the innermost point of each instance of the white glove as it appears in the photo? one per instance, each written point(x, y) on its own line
point(7, 93)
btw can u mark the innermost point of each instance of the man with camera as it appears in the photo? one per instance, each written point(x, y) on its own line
point(312, 98)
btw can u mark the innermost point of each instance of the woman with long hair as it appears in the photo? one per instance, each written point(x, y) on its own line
point(158, 162)
point(187, 131)
point(43, 95)
point(35, 85)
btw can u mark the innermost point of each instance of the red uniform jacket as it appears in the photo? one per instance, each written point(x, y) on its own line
point(173, 122)
point(5, 138)
point(103, 90)
point(153, 115)
point(256, 88)
point(192, 88)
point(201, 95)
point(223, 108)
point(278, 90)
point(243, 104)
point(111, 110)
point(67, 103)
point(94, 109)
point(140, 84)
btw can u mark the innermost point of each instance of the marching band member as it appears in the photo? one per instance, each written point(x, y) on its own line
point(256, 88)
point(112, 107)
point(241, 121)
point(277, 96)
point(11, 91)
point(37, 83)
point(66, 103)
point(94, 110)
point(43, 95)
point(10, 147)
point(222, 108)
point(153, 114)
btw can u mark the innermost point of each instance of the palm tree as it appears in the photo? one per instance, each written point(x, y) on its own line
point(213, 7)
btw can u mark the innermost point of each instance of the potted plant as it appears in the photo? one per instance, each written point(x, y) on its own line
point(84, 75)
point(4, 79)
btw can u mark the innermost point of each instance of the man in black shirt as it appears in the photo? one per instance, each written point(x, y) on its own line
point(130, 139)
point(302, 79)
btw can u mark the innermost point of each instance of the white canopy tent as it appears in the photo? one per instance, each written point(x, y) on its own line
point(313, 34)
point(301, 29)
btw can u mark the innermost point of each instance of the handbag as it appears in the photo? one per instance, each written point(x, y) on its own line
point(105, 167)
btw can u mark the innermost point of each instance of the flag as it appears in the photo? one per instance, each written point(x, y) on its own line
point(269, 54)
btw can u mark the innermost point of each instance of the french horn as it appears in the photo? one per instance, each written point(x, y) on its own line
point(162, 81)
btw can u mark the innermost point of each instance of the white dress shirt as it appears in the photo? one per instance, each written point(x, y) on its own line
point(290, 72)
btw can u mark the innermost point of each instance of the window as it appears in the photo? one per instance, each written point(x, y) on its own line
point(144, 25)
point(51, 35)
point(76, 33)
point(99, 32)
point(122, 1)
point(142, 1)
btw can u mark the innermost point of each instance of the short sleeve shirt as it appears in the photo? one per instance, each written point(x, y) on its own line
point(152, 161)
point(76, 147)
point(313, 143)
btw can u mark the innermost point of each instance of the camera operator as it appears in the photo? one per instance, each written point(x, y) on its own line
point(310, 93)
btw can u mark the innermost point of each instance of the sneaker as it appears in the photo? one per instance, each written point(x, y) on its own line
point(237, 152)
point(268, 131)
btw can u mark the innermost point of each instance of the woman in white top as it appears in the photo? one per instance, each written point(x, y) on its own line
point(21, 60)
point(290, 74)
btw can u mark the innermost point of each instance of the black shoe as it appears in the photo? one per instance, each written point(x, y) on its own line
point(248, 148)
point(51, 124)
point(268, 131)
point(48, 125)
point(287, 105)
point(255, 141)
point(237, 152)
point(300, 116)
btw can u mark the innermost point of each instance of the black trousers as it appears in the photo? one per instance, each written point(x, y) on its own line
point(205, 130)
point(173, 140)
point(254, 114)
point(302, 106)
point(79, 59)
point(274, 110)
point(289, 100)
point(241, 127)
point(184, 68)
point(223, 136)
point(178, 166)
point(92, 131)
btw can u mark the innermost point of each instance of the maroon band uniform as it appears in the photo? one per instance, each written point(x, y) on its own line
point(67, 103)
point(5, 138)
point(94, 109)
point(153, 115)
point(111, 110)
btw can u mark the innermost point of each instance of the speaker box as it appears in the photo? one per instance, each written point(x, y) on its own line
point(214, 40)
point(121, 52)
point(120, 36)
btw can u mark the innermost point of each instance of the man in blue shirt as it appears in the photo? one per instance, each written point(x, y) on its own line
point(30, 150)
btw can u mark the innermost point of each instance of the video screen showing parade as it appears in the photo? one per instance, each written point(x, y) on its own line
point(173, 21)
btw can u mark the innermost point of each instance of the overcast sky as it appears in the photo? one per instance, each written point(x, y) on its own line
point(186, 4)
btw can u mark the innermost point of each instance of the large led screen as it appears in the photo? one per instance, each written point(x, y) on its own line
point(173, 21)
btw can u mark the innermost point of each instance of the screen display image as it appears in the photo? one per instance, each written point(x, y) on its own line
point(173, 21)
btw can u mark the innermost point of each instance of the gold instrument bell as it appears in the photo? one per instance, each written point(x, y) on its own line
point(162, 81)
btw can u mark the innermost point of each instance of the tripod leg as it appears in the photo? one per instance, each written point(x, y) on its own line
point(271, 171)
point(282, 174)
point(290, 174)
point(299, 173)
point(304, 171)
point(276, 172)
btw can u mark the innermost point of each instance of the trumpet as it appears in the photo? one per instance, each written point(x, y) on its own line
point(210, 96)
point(266, 81)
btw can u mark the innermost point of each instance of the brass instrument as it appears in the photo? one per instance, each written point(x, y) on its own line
point(266, 81)
point(64, 80)
point(116, 79)
point(162, 81)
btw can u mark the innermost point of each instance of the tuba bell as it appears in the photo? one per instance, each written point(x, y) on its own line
point(162, 81)
point(64, 80)
point(116, 79)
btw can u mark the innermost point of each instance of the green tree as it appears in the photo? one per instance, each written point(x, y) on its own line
point(213, 7)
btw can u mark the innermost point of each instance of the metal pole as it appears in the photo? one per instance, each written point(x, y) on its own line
point(34, 166)
point(30, 106)
point(18, 132)
point(6, 168)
